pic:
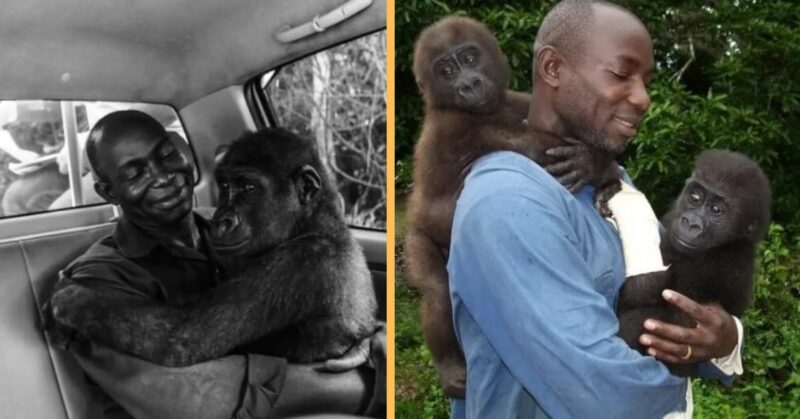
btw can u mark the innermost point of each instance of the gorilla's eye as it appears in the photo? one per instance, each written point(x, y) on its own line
point(695, 196)
point(448, 71)
point(716, 209)
point(469, 59)
point(248, 187)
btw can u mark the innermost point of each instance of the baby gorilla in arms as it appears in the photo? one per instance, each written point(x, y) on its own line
point(709, 245)
point(298, 286)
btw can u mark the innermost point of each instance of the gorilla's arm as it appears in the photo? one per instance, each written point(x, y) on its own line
point(642, 290)
point(427, 273)
point(276, 290)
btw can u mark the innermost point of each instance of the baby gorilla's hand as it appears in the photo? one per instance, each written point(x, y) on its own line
point(67, 305)
point(573, 164)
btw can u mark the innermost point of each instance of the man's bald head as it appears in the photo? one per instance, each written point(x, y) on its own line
point(115, 126)
point(567, 26)
point(593, 61)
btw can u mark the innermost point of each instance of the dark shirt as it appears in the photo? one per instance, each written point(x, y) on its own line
point(131, 262)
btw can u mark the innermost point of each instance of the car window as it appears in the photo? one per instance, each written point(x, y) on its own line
point(42, 158)
point(338, 96)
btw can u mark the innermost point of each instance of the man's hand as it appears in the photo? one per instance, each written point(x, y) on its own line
point(714, 337)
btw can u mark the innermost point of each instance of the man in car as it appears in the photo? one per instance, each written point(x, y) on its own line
point(160, 250)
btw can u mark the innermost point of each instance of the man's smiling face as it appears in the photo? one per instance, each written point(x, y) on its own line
point(148, 176)
point(603, 96)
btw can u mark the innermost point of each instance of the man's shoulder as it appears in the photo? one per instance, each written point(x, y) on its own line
point(509, 160)
point(510, 174)
point(104, 249)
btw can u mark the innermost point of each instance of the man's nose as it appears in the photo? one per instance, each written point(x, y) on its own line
point(639, 97)
point(160, 174)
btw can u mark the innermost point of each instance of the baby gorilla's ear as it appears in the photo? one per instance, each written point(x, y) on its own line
point(308, 183)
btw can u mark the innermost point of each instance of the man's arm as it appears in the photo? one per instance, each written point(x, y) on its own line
point(245, 385)
point(555, 333)
point(260, 300)
point(240, 386)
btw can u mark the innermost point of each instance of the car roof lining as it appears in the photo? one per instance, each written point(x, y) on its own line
point(154, 51)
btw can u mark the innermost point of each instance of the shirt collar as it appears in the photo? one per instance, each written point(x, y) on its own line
point(134, 242)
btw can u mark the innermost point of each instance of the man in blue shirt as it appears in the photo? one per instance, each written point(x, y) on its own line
point(534, 271)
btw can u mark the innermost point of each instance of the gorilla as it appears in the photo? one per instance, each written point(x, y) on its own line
point(298, 286)
point(709, 245)
point(463, 76)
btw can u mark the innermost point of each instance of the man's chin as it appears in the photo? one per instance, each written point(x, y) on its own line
point(615, 145)
point(174, 214)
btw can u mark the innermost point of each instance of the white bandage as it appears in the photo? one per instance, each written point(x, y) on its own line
point(638, 231)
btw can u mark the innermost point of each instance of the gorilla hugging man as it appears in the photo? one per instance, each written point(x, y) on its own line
point(175, 317)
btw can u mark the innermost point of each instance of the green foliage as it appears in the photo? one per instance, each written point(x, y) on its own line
point(770, 386)
point(416, 385)
point(417, 391)
point(727, 77)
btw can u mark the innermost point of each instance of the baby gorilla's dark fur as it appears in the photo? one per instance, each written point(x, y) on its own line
point(299, 284)
point(463, 76)
point(709, 245)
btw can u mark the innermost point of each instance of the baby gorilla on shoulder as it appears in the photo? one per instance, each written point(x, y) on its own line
point(709, 245)
point(299, 285)
point(463, 77)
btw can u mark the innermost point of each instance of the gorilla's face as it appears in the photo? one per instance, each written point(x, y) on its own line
point(464, 73)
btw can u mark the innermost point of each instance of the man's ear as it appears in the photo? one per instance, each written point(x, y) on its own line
point(548, 65)
point(308, 184)
point(104, 190)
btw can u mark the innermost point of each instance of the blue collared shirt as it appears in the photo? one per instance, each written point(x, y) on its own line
point(534, 274)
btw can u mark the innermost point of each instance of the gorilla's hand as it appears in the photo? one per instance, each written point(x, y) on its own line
point(67, 306)
point(573, 165)
point(65, 315)
point(353, 358)
point(715, 336)
point(370, 351)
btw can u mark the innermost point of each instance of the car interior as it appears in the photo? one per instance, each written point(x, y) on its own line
point(210, 62)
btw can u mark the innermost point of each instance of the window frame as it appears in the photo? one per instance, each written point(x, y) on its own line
point(71, 163)
point(263, 112)
point(257, 100)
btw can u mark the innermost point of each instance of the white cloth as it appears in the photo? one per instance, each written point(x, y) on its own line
point(641, 243)
point(638, 230)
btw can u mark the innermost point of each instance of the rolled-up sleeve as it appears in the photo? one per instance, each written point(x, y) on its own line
point(523, 292)
point(241, 386)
